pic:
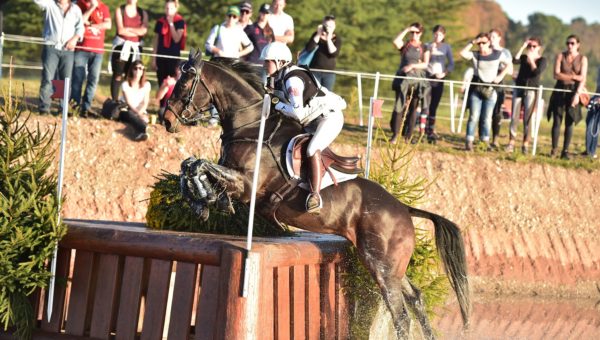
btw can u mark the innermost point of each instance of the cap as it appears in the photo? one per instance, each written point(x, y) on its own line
point(233, 10)
point(265, 8)
point(246, 6)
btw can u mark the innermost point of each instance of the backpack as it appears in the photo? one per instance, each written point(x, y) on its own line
point(111, 108)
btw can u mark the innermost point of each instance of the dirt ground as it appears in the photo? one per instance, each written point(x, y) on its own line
point(529, 228)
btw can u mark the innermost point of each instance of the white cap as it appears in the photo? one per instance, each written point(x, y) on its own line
point(276, 51)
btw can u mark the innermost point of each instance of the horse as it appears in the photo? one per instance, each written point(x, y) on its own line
point(362, 211)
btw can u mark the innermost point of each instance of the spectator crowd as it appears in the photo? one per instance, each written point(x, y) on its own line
point(74, 33)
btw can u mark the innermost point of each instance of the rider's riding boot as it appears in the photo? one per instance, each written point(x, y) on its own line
point(313, 201)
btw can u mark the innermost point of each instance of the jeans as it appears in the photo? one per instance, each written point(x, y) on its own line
point(592, 123)
point(527, 100)
point(133, 119)
point(437, 90)
point(90, 63)
point(326, 79)
point(480, 107)
point(54, 62)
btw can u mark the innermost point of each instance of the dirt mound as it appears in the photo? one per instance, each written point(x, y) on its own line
point(527, 226)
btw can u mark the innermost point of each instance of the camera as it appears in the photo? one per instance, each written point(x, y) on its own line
point(326, 28)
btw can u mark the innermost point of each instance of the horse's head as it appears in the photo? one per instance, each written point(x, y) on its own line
point(189, 100)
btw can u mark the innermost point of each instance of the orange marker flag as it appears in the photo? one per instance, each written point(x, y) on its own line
point(59, 89)
point(377, 105)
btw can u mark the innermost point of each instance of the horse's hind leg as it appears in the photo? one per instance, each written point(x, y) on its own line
point(387, 262)
point(414, 300)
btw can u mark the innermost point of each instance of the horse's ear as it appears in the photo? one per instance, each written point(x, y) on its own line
point(198, 55)
point(191, 56)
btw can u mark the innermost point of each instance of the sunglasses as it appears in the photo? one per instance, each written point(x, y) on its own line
point(245, 12)
point(571, 43)
point(483, 42)
point(232, 16)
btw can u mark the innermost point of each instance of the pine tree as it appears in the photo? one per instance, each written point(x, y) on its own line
point(28, 216)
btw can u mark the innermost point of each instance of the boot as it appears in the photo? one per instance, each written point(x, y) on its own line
point(313, 201)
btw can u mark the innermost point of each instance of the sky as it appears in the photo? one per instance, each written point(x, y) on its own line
point(566, 10)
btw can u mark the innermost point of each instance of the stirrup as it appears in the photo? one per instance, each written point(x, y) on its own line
point(312, 207)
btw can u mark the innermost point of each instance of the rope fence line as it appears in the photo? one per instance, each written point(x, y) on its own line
point(377, 77)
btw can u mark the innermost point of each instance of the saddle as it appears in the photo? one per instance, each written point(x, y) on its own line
point(330, 160)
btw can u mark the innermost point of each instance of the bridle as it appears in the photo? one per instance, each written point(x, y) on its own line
point(191, 113)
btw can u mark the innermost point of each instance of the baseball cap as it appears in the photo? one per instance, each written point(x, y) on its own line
point(265, 8)
point(246, 6)
point(233, 10)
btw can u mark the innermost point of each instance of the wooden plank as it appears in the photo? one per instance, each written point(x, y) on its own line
point(156, 300)
point(105, 296)
point(231, 311)
point(206, 314)
point(328, 301)
point(313, 329)
point(63, 259)
point(80, 293)
point(298, 302)
point(282, 303)
point(266, 316)
point(342, 315)
point(129, 299)
point(183, 297)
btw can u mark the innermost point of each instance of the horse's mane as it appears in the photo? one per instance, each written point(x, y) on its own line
point(250, 73)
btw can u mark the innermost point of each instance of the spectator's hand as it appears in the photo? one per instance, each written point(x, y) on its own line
point(93, 3)
point(498, 79)
point(440, 75)
point(407, 69)
point(577, 77)
point(70, 45)
point(320, 30)
point(575, 100)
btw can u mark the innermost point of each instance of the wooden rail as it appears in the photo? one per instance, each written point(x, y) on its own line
point(123, 281)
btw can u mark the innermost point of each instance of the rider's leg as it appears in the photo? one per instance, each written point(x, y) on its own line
point(327, 129)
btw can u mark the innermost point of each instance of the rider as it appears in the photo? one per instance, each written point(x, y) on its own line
point(298, 95)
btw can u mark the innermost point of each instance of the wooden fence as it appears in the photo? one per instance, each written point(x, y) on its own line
point(123, 281)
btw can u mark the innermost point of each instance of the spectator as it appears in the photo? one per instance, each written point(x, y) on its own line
point(409, 92)
point(89, 52)
point(169, 40)
point(496, 39)
point(228, 40)
point(259, 33)
point(281, 23)
point(532, 65)
point(328, 45)
point(166, 89)
point(132, 26)
point(245, 15)
point(63, 28)
point(441, 63)
point(136, 94)
point(486, 63)
point(592, 123)
point(570, 71)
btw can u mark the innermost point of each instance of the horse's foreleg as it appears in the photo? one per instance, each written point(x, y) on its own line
point(204, 183)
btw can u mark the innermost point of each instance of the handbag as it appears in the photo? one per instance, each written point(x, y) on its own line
point(112, 108)
point(305, 57)
point(584, 97)
point(485, 91)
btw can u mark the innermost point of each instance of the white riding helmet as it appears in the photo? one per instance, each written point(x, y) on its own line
point(276, 51)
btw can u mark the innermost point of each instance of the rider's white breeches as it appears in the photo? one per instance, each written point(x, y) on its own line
point(324, 129)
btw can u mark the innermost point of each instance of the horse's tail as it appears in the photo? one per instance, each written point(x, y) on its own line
point(451, 247)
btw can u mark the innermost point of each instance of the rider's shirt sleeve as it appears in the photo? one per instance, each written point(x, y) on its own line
point(294, 88)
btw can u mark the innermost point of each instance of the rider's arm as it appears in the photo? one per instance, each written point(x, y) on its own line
point(294, 87)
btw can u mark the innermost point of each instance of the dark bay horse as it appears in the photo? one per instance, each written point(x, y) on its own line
point(360, 210)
